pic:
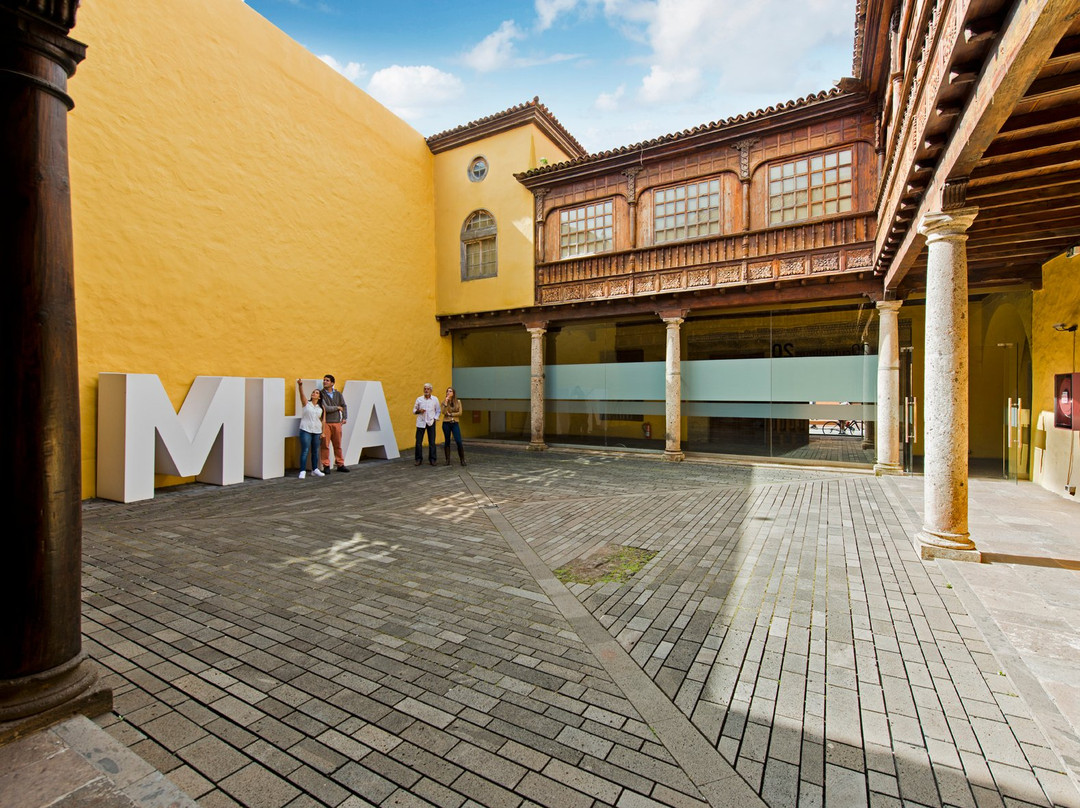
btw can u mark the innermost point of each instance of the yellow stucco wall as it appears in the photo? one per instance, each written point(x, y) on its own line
point(1052, 352)
point(241, 209)
point(456, 197)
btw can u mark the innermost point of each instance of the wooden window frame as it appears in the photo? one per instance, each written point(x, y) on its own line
point(812, 187)
point(587, 229)
point(482, 240)
point(675, 206)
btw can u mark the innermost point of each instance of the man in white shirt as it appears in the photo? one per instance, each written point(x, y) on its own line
point(426, 410)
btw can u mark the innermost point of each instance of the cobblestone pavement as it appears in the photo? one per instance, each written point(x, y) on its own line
point(396, 637)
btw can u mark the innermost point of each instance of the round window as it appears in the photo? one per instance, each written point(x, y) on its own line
point(478, 169)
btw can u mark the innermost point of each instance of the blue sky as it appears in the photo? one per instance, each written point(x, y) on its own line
point(614, 72)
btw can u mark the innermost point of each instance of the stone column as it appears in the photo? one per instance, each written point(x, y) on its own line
point(44, 675)
point(536, 382)
point(887, 429)
point(673, 390)
point(945, 421)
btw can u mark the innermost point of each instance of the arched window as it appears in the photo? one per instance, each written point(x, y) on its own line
point(479, 256)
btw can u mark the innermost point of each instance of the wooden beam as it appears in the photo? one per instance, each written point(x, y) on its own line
point(1018, 249)
point(1067, 158)
point(1053, 84)
point(990, 188)
point(1009, 235)
point(1023, 46)
point(837, 287)
point(1043, 118)
point(982, 29)
point(1004, 148)
point(1000, 207)
point(1041, 207)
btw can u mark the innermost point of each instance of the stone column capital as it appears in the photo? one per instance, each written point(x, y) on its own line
point(536, 330)
point(889, 305)
point(950, 224)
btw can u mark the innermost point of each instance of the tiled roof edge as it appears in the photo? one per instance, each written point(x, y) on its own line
point(824, 95)
point(531, 111)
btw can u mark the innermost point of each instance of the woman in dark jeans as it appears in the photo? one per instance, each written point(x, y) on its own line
point(311, 424)
point(451, 412)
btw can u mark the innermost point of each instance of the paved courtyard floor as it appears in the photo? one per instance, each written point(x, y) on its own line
point(397, 637)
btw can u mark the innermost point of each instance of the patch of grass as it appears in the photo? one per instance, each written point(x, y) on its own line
point(610, 563)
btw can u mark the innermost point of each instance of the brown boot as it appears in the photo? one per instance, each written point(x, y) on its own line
point(460, 454)
point(446, 451)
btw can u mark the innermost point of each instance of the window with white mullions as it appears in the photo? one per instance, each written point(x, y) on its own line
point(586, 230)
point(479, 247)
point(810, 187)
point(687, 211)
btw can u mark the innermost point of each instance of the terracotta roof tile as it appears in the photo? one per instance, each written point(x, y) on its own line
point(514, 116)
point(813, 98)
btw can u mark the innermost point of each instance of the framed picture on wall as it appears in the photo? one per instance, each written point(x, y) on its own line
point(1065, 386)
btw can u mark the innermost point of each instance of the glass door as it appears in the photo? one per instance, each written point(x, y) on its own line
point(909, 414)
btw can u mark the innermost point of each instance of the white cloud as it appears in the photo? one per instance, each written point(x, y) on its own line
point(411, 91)
point(609, 102)
point(706, 48)
point(353, 71)
point(548, 10)
point(666, 85)
point(496, 50)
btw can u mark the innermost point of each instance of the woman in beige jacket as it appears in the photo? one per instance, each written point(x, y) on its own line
point(451, 413)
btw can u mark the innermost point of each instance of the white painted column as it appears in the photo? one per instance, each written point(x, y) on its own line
point(673, 391)
point(887, 426)
point(945, 421)
point(536, 381)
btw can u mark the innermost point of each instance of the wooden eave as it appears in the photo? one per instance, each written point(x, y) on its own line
point(530, 113)
point(871, 62)
point(778, 293)
point(1011, 131)
point(672, 146)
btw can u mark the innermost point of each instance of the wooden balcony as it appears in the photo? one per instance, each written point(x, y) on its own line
point(817, 249)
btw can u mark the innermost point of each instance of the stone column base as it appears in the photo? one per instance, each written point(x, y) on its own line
point(951, 548)
point(536, 446)
point(674, 457)
point(888, 470)
point(34, 702)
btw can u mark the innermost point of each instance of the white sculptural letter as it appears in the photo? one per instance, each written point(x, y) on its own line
point(139, 433)
point(369, 430)
point(266, 426)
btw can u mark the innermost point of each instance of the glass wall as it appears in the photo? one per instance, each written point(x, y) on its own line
point(605, 385)
point(797, 384)
point(491, 377)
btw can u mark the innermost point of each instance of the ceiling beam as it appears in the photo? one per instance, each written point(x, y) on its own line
point(1023, 46)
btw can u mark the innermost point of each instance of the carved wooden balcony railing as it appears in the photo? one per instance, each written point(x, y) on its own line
point(829, 247)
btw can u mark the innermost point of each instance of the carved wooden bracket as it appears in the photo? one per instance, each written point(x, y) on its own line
point(954, 194)
point(631, 183)
point(538, 197)
point(743, 148)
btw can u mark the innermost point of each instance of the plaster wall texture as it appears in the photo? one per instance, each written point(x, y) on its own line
point(1052, 352)
point(456, 197)
point(241, 209)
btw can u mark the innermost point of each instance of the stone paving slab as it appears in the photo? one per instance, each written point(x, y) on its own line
point(74, 764)
point(381, 638)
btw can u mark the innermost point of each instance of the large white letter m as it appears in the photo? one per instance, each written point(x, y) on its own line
point(139, 434)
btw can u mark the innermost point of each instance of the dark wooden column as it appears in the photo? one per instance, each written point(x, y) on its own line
point(44, 676)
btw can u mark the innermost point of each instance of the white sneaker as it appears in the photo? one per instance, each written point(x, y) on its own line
point(303, 474)
point(318, 473)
